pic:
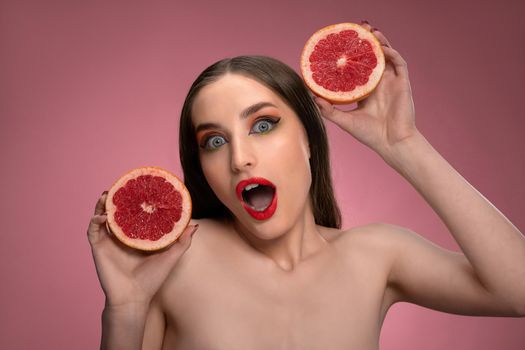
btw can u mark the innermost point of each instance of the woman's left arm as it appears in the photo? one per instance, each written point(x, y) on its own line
point(492, 270)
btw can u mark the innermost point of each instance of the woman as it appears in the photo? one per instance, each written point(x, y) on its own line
point(270, 268)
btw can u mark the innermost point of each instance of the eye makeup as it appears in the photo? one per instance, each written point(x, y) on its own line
point(204, 139)
point(208, 132)
point(260, 123)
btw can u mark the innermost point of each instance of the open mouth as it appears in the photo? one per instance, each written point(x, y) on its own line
point(258, 197)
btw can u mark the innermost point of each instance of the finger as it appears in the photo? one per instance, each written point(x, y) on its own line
point(95, 230)
point(326, 108)
point(381, 37)
point(186, 236)
point(166, 259)
point(100, 208)
point(181, 245)
point(400, 65)
point(364, 23)
point(329, 111)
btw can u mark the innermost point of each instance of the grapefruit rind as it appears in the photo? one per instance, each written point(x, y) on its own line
point(360, 92)
point(178, 228)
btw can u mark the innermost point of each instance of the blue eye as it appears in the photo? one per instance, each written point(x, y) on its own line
point(262, 126)
point(214, 142)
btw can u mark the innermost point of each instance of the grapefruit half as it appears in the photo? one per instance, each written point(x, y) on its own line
point(342, 63)
point(148, 208)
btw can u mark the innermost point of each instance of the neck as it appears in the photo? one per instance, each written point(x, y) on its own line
point(290, 247)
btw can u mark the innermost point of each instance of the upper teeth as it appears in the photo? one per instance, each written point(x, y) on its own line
point(251, 186)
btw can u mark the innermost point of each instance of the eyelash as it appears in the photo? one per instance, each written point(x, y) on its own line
point(206, 142)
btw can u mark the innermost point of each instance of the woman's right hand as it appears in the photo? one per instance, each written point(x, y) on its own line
point(129, 276)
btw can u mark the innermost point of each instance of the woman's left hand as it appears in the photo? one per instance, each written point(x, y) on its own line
point(387, 115)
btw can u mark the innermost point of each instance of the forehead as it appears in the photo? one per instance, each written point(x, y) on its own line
point(231, 94)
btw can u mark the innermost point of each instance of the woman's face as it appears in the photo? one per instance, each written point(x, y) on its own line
point(254, 154)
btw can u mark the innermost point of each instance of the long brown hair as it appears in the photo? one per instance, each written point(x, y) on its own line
point(287, 84)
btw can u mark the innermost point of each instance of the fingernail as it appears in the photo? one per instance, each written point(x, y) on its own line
point(364, 21)
point(375, 29)
point(194, 229)
point(105, 192)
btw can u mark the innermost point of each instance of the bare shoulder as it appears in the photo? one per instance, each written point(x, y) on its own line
point(207, 224)
point(377, 237)
point(374, 245)
point(212, 238)
point(188, 270)
point(197, 260)
point(394, 241)
point(377, 244)
point(213, 235)
point(209, 227)
point(368, 254)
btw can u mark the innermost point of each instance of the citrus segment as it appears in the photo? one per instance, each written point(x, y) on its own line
point(148, 208)
point(342, 63)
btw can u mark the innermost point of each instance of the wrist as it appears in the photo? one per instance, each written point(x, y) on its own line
point(126, 308)
point(123, 326)
point(132, 316)
point(126, 301)
point(402, 153)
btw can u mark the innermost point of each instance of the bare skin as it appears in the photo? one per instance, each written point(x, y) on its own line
point(287, 283)
point(223, 294)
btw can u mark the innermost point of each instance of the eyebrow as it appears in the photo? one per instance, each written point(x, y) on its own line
point(244, 114)
point(254, 108)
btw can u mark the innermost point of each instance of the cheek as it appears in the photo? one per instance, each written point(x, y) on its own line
point(212, 167)
point(292, 151)
point(292, 157)
point(300, 161)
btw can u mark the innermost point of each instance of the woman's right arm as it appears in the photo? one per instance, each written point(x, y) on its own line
point(123, 326)
point(129, 279)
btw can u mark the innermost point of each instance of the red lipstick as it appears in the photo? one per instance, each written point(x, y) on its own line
point(257, 214)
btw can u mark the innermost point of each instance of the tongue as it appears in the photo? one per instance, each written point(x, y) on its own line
point(260, 197)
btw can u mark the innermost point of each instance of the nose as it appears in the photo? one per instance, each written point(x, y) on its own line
point(242, 155)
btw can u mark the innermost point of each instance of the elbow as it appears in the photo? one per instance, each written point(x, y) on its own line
point(514, 298)
point(520, 309)
point(518, 305)
point(511, 306)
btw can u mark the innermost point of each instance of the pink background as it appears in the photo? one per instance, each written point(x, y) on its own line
point(91, 89)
